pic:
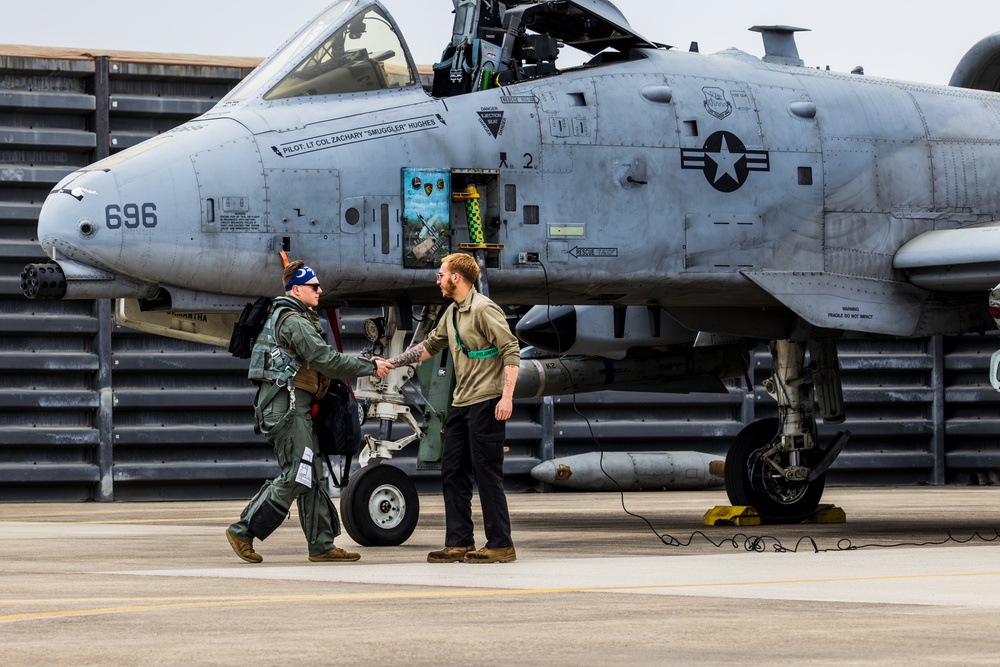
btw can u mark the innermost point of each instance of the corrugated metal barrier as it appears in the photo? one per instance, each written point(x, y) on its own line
point(89, 411)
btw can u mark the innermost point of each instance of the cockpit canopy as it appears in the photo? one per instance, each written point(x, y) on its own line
point(363, 54)
point(502, 42)
point(354, 46)
point(359, 49)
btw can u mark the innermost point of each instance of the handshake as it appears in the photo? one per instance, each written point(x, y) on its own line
point(382, 367)
point(414, 355)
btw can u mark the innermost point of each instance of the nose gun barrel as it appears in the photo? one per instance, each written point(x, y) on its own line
point(66, 279)
point(43, 281)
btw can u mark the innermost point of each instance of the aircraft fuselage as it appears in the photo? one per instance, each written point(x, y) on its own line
point(673, 179)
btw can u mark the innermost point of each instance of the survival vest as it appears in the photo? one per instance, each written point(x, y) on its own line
point(273, 367)
point(268, 360)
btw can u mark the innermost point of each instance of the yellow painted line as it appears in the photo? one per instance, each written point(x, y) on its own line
point(229, 601)
point(344, 597)
point(157, 598)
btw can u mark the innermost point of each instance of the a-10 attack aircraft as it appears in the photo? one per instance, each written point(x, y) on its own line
point(707, 202)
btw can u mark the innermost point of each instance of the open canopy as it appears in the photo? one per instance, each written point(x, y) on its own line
point(589, 25)
point(352, 46)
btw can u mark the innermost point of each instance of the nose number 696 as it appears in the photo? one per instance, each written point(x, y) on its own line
point(130, 215)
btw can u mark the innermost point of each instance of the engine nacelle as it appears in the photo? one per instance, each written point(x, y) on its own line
point(979, 69)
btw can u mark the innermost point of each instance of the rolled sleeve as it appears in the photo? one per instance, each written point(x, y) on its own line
point(437, 339)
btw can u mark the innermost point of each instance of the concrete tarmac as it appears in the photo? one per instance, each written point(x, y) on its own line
point(156, 583)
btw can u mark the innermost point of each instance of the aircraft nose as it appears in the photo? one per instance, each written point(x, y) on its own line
point(75, 213)
point(117, 227)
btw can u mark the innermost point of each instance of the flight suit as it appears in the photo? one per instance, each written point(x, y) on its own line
point(293, 437)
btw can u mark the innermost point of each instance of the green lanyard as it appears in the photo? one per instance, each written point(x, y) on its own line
point(471, 354)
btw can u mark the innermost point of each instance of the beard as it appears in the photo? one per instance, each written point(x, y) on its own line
point(448, 290)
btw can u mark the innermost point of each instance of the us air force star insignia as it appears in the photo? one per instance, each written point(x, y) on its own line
point(725, 161)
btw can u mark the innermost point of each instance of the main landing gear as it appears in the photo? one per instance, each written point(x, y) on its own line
point(775, 465)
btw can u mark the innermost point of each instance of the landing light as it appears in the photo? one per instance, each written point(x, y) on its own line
point(374, 329)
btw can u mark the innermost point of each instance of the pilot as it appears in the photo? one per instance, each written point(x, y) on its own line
point(292, 364)
point(487, 358)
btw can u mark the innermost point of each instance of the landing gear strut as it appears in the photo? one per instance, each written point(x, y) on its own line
point(379, 507)
point(775, 465)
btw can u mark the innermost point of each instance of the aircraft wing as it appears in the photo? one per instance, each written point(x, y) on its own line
point(953, 260)
point(939, 261)
point(848, 303)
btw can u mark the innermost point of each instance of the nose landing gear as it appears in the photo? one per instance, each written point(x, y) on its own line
point(380, 506)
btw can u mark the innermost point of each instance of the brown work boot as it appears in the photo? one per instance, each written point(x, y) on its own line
point(335, 555)
point(450, 554)
point(243, 549)
point(487, 555)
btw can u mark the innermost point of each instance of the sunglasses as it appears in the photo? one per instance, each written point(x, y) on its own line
point(314, 286)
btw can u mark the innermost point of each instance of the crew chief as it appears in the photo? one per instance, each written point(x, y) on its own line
point(487, 358)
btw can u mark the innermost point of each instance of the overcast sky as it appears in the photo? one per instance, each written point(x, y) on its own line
point(917, 41)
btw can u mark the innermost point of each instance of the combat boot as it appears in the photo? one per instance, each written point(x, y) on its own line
point(487, 555)
point(336, 555)
point(243, 549)
point(450, 554)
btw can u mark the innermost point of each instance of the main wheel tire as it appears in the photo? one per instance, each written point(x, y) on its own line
point(750, 482)
point(380, 507)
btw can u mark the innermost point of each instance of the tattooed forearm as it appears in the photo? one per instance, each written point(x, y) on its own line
point(409, 357)
point(509, 380)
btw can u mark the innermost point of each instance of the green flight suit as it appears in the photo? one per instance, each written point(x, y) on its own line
point(294, 441)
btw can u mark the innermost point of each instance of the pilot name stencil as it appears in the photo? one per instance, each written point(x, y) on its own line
point(725, 161)
point(357, 135)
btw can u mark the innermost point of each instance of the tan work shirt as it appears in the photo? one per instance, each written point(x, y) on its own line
point(481, 325)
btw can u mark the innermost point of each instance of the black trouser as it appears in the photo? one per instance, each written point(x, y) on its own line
point(473, 445)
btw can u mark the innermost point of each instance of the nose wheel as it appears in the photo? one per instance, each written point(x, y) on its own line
point(380, 507)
